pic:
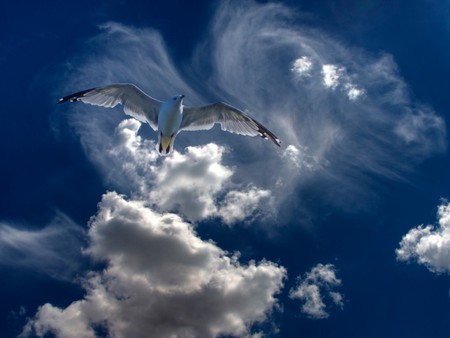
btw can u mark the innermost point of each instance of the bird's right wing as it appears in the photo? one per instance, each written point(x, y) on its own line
point(230, 119)
point(135, 102)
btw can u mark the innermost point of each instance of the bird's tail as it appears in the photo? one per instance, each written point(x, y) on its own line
point(165, 144)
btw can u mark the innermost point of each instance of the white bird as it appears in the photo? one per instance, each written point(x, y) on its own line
point(170, 117)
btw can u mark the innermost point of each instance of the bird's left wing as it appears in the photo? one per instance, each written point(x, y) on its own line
point(231, 119)
point(135, 102)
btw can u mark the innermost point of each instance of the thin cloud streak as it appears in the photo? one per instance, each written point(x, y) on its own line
point(54, 250)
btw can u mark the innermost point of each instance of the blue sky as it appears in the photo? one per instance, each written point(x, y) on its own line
point(344, 231)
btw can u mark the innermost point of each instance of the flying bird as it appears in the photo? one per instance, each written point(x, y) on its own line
point(170, 117)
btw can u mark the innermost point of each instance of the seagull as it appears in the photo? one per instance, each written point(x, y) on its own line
point(170, 117)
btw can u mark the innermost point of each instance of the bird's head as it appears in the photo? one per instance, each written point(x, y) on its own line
point(178, 99)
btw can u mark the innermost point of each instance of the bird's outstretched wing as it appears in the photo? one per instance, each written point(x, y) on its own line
point(135, 102)
point(231, 119)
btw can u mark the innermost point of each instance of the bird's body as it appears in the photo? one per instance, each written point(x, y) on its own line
point(170, 117)
point(169, 121)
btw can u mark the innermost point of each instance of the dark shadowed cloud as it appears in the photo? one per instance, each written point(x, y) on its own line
point(161, 278)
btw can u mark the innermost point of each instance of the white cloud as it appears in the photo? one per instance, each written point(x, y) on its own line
point(302, 66)
point(419, 126)
point(53, 249)
point(299, 157)
point(429, 245)
point(353, 92)
point(127, 159)
point(192, 184)
point(334, 76)
point(331, 75)
point(314, 287)
point(161, 278)
point(189, 182)
point(239, 205)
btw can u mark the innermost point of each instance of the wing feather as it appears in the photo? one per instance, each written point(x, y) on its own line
point(135, 102)
point(230, 119)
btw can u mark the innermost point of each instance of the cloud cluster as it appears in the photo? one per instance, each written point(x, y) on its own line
point(160, 278)
point(316, 285)
point(333, 76)
point(429, 245)
point(54, 250)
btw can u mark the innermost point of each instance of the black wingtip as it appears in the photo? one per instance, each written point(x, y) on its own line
point(74, 97)
point(275, 140)
point(268, 135)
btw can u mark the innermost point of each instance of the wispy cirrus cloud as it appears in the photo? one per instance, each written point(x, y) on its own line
point(54, 250)
point(348, 110)
point(161, 278)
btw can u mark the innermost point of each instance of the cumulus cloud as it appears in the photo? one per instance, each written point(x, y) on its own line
point(429, 245)
point(302, 66)
point(314, 287)
point(195, 183)
point(53, 249)
point(238, 205)
point(331, 75)
point(160, 277)
point(353, 92)
point(334, 76)
point(192, 184)
point(188, 183)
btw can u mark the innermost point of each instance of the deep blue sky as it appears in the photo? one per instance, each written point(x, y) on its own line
point(350, 213)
